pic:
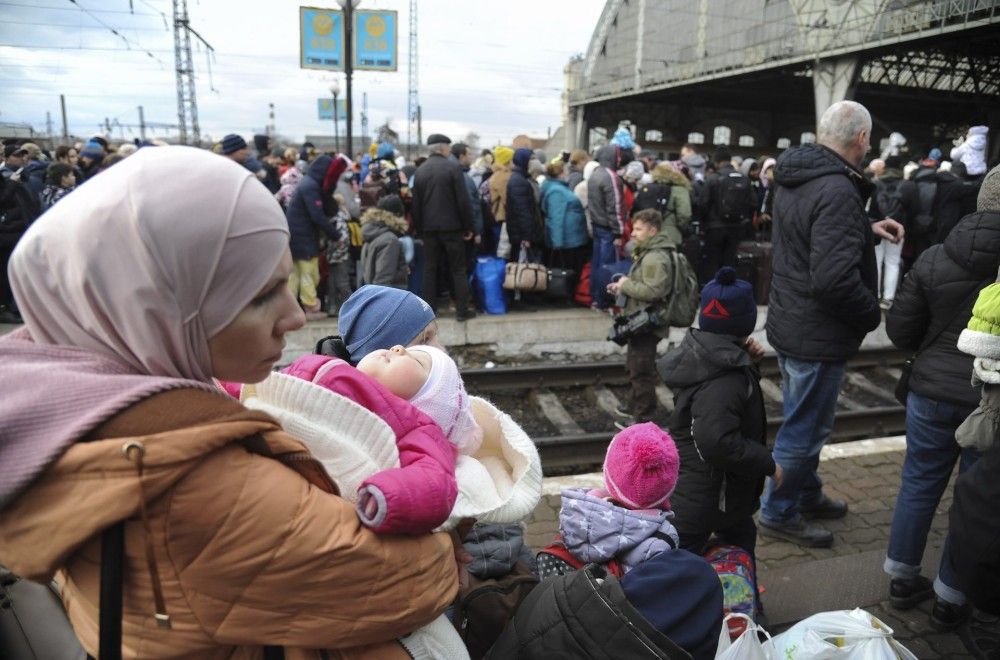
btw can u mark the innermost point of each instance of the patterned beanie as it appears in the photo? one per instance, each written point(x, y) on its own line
point(981, 337)
point(232, 143)
point(443, 398)
point(640, 468)
point(727, 305)
point(989, 191)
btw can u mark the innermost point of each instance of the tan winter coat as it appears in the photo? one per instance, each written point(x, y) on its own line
point(251, 544)
point(498, 191)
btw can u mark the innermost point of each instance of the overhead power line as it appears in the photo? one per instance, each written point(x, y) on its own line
point(114, 31)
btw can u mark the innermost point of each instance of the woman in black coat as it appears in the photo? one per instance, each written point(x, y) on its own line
point(931, 309)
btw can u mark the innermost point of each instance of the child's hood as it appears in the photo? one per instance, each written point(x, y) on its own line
point(700, 357)
point(597, 530)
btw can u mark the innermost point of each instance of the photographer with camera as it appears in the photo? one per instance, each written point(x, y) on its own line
point(643, 321)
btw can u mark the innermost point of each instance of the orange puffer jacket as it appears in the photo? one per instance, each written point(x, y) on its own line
point(252, 544)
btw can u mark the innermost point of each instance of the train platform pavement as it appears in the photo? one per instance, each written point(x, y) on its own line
point(541, 334)
point(799, 582)
point(536, 334)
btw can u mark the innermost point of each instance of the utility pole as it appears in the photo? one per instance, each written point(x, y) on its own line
point(142, 124)
point(270, 116)
point(48, 123)
point(364, 120)
point(107, 127)
point(412, 102)
point(420, 126)
point(62, 104)
point(349, 72)
point(187, 103)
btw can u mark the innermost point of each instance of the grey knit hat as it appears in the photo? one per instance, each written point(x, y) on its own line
point(989, 192)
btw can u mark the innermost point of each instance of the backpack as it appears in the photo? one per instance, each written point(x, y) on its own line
point(733, 192)
point(699, 191)
point(653, 196)
point(685, 295)
point(923, 222)
point(739, 584)
point(889, 203)
point(483, 608)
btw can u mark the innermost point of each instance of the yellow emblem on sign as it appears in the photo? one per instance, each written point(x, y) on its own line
point(322, 24)
point(375, 25)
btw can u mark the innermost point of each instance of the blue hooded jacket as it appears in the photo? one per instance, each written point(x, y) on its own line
point(565, 222)
point(305, 214)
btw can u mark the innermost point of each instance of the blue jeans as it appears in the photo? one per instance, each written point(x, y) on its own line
point(931, 453)
point(604, 252)
point(809, 391)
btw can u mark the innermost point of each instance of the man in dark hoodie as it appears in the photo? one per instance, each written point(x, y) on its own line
point(729, 206)
point(718, 423)
point(823, 302)
point(606, 206)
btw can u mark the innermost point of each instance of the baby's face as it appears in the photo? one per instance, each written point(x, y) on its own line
point(402, 372)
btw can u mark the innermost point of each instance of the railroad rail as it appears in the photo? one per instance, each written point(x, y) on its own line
point(575, 449)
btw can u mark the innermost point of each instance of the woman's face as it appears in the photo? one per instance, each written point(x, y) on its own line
point(246, 349)
point(428, 337)
point(402, 372)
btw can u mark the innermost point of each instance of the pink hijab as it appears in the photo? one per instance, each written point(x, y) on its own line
point(149, 260)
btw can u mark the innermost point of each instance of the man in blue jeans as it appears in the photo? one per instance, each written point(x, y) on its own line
point(823, 302)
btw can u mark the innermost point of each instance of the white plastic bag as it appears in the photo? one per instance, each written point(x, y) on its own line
point(503, 245)
point(747, 646)
point(840, 635)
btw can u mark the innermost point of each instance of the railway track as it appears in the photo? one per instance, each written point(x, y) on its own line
point(567, 409)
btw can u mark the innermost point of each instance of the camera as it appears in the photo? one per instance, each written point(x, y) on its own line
point(633, 325)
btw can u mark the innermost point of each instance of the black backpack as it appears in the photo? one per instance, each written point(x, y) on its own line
point(652, 196)
point(889, 203)
point(924, 222)
point(733, 190)
point(483, 609)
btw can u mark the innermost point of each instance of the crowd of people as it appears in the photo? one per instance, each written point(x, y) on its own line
point(360, 500)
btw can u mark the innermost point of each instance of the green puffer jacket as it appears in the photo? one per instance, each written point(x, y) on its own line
point(650, 279)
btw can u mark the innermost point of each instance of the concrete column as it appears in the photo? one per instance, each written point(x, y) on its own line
point(833, 80)
point(640, 30)
point(581, 136)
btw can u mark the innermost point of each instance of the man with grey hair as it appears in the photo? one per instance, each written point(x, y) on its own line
point(823, 302)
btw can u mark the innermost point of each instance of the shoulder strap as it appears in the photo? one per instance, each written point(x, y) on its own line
point(971, 297)
point(110, 617)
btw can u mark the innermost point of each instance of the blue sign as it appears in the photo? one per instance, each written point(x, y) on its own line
point(375, 39)
point(321, 44)
point(325, 107)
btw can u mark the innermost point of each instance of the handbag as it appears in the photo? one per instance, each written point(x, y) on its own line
point(526, 276)
point(903, 386)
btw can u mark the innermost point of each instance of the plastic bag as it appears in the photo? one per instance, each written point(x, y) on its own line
point(840, 635)
point(503, 245)
point(490, 272)
point(748, 645)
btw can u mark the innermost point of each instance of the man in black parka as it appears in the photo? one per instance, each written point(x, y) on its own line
point(823, 302)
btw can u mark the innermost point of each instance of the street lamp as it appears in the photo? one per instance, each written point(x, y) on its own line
point(348, 6)
point(335, 90)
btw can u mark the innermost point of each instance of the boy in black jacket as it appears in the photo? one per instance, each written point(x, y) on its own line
point(718, 423)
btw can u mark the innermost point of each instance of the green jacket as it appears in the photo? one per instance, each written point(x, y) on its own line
point(651, 278)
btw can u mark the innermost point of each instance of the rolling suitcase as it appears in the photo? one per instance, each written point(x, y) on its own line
point(746, 269)
point(762, 253)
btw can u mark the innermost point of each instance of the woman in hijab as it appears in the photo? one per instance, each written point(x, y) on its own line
point(137, 291)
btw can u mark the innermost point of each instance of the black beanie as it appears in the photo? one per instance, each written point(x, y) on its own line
point(727, 305)
point(721, 155)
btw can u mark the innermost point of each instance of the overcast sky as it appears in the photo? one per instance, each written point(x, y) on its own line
point(495, 68)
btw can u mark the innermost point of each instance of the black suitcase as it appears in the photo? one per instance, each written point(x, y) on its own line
point(562, 284)
point(746, 269)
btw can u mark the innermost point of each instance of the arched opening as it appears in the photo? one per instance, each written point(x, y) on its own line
point(807, 138)
point(784, 143)
point(696, 138)
point(722, 135)
point(746, 141)
point(653, 135)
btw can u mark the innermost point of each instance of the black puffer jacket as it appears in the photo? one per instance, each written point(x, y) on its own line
point(823, 292)
point(523, 216)
point(937, 290)
point(583, 614)
point(719, 426)
point(955, 199)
